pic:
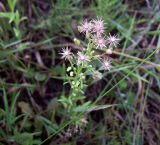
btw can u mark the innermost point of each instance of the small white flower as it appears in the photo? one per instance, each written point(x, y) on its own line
point(66, 53)
point(71, 74)
point(69, 68)
point(106, 64)
point(112, 40)
point(85, 27)
point(82, 58)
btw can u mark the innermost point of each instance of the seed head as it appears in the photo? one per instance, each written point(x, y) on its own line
point(66, 53)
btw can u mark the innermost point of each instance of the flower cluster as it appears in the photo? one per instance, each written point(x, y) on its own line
point(82, 64)
point(97, 28)
point(94, 31)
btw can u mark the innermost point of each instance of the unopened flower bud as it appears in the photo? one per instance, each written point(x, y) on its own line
point(109, 51)
point(83, 77)
point(76, 41)
point(71, 74)
point(73, 82)
point(68, 69)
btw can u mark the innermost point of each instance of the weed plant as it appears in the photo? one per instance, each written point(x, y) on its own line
point(100, 89)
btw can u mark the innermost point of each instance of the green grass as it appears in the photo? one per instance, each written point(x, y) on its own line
point(32, 74)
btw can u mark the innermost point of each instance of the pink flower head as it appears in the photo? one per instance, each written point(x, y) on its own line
point(66, 53)
point(85, 27)
point(100, 42)
point(112, 40)
point(82, 58)
point(106, 64)
point(98, 27)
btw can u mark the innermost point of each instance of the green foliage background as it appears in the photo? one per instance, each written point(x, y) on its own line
point(31, 73)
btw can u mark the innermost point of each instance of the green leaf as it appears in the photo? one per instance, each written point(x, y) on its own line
point(23, 138)
point(17, 32)
point(12, 109)
point(6, 105)
point(12, 4)
point(123, 84)
point(8, 15)
point(87, 107)
point(40, 76)
point(2, 112)
point(83, 108)
point(157, 32)
point(100, 107)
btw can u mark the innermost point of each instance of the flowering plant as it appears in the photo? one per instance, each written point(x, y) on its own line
point(82, 65)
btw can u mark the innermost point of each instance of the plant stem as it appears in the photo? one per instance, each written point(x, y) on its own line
point(136, 58)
